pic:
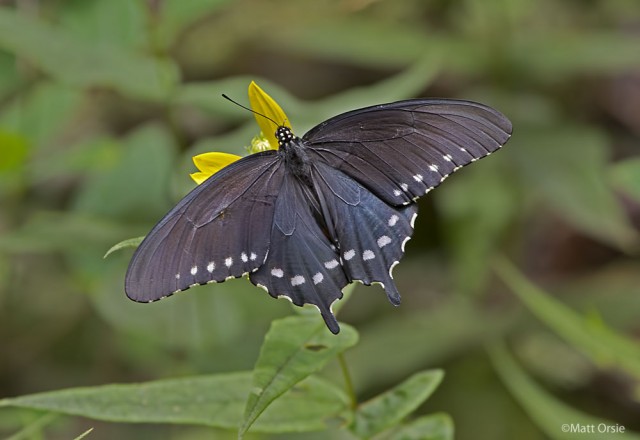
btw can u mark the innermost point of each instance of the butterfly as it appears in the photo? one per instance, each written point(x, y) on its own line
point(325, 210)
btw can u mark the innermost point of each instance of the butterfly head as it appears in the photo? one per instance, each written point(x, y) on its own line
point(284, 135)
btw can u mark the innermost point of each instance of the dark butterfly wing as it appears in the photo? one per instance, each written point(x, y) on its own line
point(369, 234)
point(402, 150)
point(218, 231)
point(326, 237)
point(302, 264)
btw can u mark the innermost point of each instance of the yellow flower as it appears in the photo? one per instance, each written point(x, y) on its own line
point(211, 163)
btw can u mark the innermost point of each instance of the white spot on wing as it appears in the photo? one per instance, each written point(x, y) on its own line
point(277, 272)
point(317, 278)
point(297, 280)
point(253, 256)
point(349, 254)
point(394, 264)
point(177, 276)
point(404, 186)
point(243, 257)
point(413, 219)
point(331, 264)
point(397, 192)
point(393, 220)
point(433, 168)
point(418, 177)
point(368, 255)
point(210, 267)
point(194, 270)
point(383, 241)
point(447, 157)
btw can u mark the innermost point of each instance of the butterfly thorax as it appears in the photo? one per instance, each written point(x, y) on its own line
point(296, 159)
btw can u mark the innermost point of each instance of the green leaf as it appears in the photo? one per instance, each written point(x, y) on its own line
point(136, 187)
point(214, 400)
point(294, 348)
point(120, 23)
point(46, 231)
point(544, 409)
point(578, 190)
point(554, 55)
point(626, 177)
point(34, 428)
point(42, 113)
point(381, 44)
point(604, 346)
point(389, 408)
point(14, 151)
point(432, 427)
point(175, 16)
point(129, 243)
point(84, 64)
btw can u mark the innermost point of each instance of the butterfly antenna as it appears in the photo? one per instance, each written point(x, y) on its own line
point(251, 110)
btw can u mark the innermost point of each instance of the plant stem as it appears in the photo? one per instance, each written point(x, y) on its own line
point(347, 382)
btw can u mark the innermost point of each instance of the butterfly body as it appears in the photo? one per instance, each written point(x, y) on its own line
point(327, 209)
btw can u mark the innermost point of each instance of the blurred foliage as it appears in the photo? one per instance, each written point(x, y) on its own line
point(104, 102)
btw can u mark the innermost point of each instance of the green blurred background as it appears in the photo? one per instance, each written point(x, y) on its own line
point(104, 102)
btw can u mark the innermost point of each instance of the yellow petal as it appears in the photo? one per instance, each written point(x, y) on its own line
point(211, 163)
point(199, 177)
point(264, 104)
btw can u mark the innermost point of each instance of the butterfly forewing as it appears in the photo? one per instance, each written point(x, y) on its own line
point(219, 230)
point(402, 150)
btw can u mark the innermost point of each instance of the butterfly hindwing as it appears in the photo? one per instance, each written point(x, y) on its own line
point(370, 234)
point(302, 264)
point(400, 151)
point(220, 230)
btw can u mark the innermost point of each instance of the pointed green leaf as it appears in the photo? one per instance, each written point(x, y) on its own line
point(129, 243)
point(432, 427)
point(551, 415)
point(215, 400)
point(601, 344)
point(390, 407)
point(294, 348)
point(84, 64)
